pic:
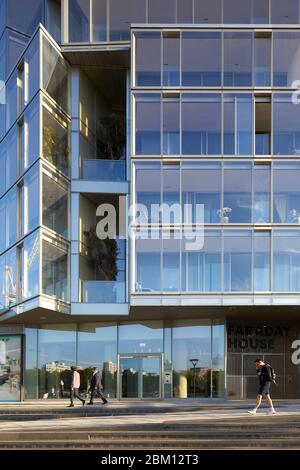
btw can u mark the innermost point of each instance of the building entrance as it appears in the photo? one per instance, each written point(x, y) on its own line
point(140, 376)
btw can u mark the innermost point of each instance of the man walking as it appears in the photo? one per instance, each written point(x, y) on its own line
point(266, 376)
point(75, 384)
point(96, 387)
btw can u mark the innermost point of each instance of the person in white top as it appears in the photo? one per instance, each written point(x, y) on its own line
point(75, 384)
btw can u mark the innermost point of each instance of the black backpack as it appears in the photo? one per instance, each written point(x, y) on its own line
point(272, 373)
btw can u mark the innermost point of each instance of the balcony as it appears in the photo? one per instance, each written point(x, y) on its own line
point(103, 170)
point(103, 292)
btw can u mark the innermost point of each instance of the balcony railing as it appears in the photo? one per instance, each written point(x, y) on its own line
point(103, 170)
point(103, 292)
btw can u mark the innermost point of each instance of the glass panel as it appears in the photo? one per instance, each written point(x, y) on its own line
point(286, 261)
point(57, 352)
point(31, 195)
point(238, 59)
point(171, 194)
point(55, 140)
point(208, 12)
point(31, 133)
point(171, 265)
point(24, 16)
point(79, 16)
point(286, 58)
point(129, 371)
point(237, 193)
point(143, 337)
point(103, 170)
point(10, 368)
point(171, 126)
point(11, 100)
point(286, 192)
point(238, 127)
point(218, 360)
point(55, 271)
point(184, 11)
point(11, 217)
point(29, 261)
point(201, 124)
point(261, 204)
point(148, 59)
point(285, 12)
point(148, 189)
point(201, 271)
point(263, 119)
point(201, 59)
point(55, 205)
point(9, 290)
point(99, 20)
point(262, 61)
point(97, 347)
point(171, 60)
point(32, 71)
point(201, 184)
point(53, 19)
point(151, 377)
point(148, 265)
point(3, 217)
point(191, 359)
point(237, 261)
point(15, 45)
point(31, 371)
point(161, 11)
point(237, 11)
point(122, 15)
point(262, 252)
point(148, 111)
point(260, 11)
point(55, 75)
point(8, 158)
point(286, 125)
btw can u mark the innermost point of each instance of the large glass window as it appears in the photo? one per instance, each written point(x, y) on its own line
point(122, 15)
point(261, 203)
point(148, 119)
point(238, 59)
point(161, 11)
point(55, 140)
point(171, 194)
point(171, 126)
point(55, 271)
point(237, 192)
point(148, 188)
point(286, 58)
point(286, 190)
point(10, 360)
point(171, 59)
point(32, 69)
point(55, 205)
point(201, 270)
point(29, 263)
point(201, 59)
point(261, 261)
point(99, 20)
point(57, 352)
point(208, 12)
point(286, 261)
point(97, 347)
point(148, 265)
point(55, 75)
point(237, 11)
point(191, 359)
point(285, 12)
point(286, 125)
point(201, 124)
point(262, 60)
point(238, 126)
point(237, 261)
point(141, 337)
point(79, 16)
point(201, 184)
point(148, 59)
point(171, 264)
point(31, 195)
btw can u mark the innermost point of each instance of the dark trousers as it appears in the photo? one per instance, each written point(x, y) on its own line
point(93, 394)
point(75, 394)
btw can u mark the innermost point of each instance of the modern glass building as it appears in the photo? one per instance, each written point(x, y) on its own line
point(119, 106)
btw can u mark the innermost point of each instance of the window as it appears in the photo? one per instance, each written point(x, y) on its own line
point(55, 75)
point(122, 15)
point(286, 58)
point(99, 20)
point(9, 278)
point(261, 261)
point(55, 271)
point(237, 261)
point(285, 12)
point(262, 60)
point(55, 140)
point(237, 192)
point(171, 59)
point(260, 11)
point(261, 203)
point(286, 125)
point(148, 188)
point(286, 261)
point(31, 133)
point(171, 265)
point(148, 112)
point(171, 194)
point(286, 191)
point(11, 217)
point(24, 16)
point(237, 11)
point(31, 195)
point(238, 59)
point(11, 100)
point(262, 125)
point(208, 12)
point(171, 126)
point(148, 265)
point(184, 11)
point(29, 262)
point(238, 128)
point(201, 59)
point(55, 205)
point(201, 124)
point(161, 11)
point(148, 59)
point(79, 17)
point(32, 68)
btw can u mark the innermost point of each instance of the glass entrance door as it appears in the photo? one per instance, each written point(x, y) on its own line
point(10, 368)
point(140, 376)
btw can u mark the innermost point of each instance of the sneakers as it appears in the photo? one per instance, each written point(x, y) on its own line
point(70, 406)
point(105, 402)
point(90, 403)
point(271, 412)
point(252, 412)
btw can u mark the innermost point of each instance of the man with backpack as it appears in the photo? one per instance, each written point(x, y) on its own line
point(266, 376)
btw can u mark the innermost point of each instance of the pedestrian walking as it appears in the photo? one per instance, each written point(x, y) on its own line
point(266, 376)
point(95, 387)
point(75, 384)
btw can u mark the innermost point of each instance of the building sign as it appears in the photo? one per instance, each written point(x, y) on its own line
point(254, 337)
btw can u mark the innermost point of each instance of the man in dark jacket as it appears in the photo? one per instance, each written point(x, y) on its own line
point(265, 376)
point(95, 387)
